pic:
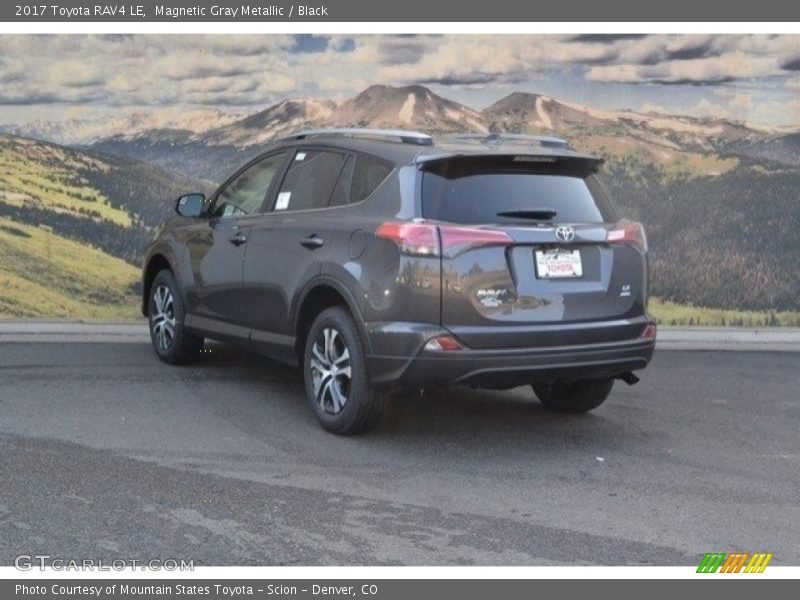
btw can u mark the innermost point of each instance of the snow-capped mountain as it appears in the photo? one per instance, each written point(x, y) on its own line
point(692, 180)
point(208, 143)
point(281, 119)
point(75, 132)
point(528, 113)
point(410, 107)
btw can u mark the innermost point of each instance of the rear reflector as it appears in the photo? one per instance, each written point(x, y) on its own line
point(426, 239)
point(628, 232)
point(443, 343)
point(649, 331)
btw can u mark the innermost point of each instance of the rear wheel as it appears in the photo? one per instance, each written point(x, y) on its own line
point(335, 375)
point(172, 343)
point(574, 397)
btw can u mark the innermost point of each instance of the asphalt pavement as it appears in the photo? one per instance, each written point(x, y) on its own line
point(106, 452)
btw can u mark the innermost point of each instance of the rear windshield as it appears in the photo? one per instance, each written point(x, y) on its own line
point(476, 193)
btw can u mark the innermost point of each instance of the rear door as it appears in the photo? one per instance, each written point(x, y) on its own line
point(525, 251)
point(288, 244)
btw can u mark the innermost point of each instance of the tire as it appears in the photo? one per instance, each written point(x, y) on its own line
point(575, 397)
point(335, 375)
point(172, 343)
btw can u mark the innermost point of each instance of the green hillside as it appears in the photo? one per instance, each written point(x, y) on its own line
point(46, 275)
point(673, 313)
point(51, 177)
point(727, 240)
point(724, 241)
point(73, 226)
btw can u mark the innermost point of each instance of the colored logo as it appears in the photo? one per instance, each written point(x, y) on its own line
point(734, 562)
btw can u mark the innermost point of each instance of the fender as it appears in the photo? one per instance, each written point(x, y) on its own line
point(352, 305)
point(164, 250)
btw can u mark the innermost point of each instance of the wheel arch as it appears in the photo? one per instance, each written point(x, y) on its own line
point(156, 263)
point(319, 294)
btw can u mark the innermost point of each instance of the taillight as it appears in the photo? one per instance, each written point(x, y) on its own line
point(628, 232)
point(455, 239)
point(418, 239)
point(426, 239)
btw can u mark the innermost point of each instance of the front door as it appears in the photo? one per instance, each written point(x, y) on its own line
point(217, 249)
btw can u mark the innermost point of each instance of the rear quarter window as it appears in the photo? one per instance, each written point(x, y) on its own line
point(476, 195)
point(368, 174)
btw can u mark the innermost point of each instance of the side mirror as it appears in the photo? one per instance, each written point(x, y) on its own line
point(191, 205)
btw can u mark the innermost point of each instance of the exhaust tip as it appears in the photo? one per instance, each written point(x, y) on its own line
point(629, 378)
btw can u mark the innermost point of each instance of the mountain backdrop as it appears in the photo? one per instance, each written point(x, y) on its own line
point(720, 198)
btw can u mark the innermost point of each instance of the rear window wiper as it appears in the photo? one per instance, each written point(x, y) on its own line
point(541, 214)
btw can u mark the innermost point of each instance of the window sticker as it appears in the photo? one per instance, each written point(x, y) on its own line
point(283, 201)
point(300, 156)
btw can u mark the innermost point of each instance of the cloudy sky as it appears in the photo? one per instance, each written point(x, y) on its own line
point(753, 78)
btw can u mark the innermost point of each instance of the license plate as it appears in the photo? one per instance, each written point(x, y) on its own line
point(558, 264)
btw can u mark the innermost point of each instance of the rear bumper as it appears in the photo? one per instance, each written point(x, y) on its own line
point(506, 367)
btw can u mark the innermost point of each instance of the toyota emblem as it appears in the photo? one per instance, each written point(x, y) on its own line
point(565, 233)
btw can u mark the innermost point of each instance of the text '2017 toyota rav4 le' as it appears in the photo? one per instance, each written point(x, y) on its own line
point(382, 260)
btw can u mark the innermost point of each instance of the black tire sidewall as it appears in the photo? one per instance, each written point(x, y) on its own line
point(183, 344)
point(577, 397)
point(360, 393)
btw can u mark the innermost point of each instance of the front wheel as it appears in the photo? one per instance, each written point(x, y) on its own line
point(335, 375)
point(172, 343)
point(574, 397)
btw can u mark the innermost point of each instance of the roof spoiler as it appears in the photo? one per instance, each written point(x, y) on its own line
point(545, 141)
point(506, 160)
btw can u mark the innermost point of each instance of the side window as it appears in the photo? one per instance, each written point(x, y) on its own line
point(342, 188)
point(245, 194)
point(368, 174)
point(310, 181)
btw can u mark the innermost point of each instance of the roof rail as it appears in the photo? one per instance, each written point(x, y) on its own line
point(406, 137)
point(546, 141)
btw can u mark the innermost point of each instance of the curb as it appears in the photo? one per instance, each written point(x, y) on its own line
point(135, 332)
point(750, 339)
point(76, 332)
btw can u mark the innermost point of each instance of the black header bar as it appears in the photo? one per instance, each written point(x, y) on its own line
point(467, 11)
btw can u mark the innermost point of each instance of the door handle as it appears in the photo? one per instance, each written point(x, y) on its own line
point(238, 239)
point(312, 242)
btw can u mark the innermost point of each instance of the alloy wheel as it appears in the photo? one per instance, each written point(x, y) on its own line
point(163, 317)
point(331, 370)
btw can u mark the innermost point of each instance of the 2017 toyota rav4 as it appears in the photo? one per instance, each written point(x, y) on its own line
point(382, 259)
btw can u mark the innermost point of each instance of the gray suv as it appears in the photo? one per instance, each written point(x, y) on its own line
point(382, 260)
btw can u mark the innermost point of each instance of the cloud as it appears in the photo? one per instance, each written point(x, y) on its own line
point(73, 73)
point(741, 101)
point(793, 83)
point(455, 80)
point(606, 38)
point(403, 50)
point(111, 71)
point(706, 108)
point(650, 107)
point(792, 64)
point(700, 71)
point(310, 43)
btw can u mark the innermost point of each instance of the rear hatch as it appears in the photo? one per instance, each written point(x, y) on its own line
point(533, 252)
